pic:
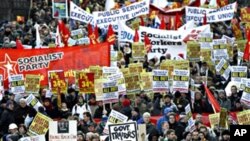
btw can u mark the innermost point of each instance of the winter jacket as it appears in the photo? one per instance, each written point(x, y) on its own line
point(7, 118)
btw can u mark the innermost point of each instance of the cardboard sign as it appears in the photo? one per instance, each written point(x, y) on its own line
point(132, 83)
point(86, 82)
point(169, 66)
point(33, 102)
point(60, 9)
point(106, 71)
point(39, 125)
point(98, 89)
point(220, 49)
point(34, 138)
point(181, 81)
point(193, 51)
point(214, 119)
point(243, 117)
point(57, 81)
point(110, 92)
point(237, 73)
point(114, 118)
point(138, 51)
point(17, 83)
point(142, 132)
point(189, 117)
point(146, 81)
point(97, 70)
point(245, 98)
point(125, 131)
point(119, 78)
point(223, 118)
point(32, 84)
point(223, 68)
point(160, 81)
point(63, 130)
point(135, 67)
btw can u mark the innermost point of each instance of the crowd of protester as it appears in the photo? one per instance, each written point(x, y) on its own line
point(16, 115)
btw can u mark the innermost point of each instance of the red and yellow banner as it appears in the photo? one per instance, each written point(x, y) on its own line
point(86, 82)
point(40, 61)
point(245, 14)
point(57, 81)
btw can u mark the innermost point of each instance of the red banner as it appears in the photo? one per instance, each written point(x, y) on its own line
point(86, 82)
point(40, 61)
point(245, 14)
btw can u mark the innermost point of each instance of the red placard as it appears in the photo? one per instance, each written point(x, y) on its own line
point(86, 82)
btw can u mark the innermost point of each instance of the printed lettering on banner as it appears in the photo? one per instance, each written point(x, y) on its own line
point(114, 118)
point(110, 92)
point(17, 83)
point(223, 68)
point(63, 130)
point(237, 73)
point(160, 81)
point(104, 18)
point(125, 131)
point(126, 34)
point(77, 13)
point(119, 78)
point(181, 80)
point(245, 98)
point(196, 14)
point(60, 9)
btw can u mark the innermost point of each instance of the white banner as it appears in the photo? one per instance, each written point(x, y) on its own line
point(238, 73)
point(181, 81)
point(105, 18)
point(33, 138)
point(188, 25)
point(160, 81)
point(123, 132)
point(223, 68)
point(77, 13)
point(245, 98)
point(110, 92)
point(63, 130)
point(126, 34)
point(17, 83)
point(119, 78)
point(213, 15)
point(114, 118)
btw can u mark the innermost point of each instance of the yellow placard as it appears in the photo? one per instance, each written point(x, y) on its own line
point(214, 119)
point(146, 81)
point(135, 68)
point(193, 51)
point(243, 117)
point(138, 51)
point(132, 81)
point(32, 83)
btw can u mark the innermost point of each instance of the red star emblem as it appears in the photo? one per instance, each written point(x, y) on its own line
point(8, 66)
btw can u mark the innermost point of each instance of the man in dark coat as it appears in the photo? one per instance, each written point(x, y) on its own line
point(21, 111)
point(7, 117)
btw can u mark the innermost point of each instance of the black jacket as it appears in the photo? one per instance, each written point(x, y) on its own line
point(7, 118)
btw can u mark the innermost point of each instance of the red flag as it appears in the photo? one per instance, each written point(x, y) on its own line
point(177, 21)
point(142, 21)
point(246, 51)
point(213, 101)
point(91, 35)
point(136, 37)
point(169, 24)
point(19, 45)
point(64, 31)
point(97, 34)
point(110, 35)
point(205, 19)
point(147, 43)
point(163, 24)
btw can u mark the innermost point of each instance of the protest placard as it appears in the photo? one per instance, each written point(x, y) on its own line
point(146, 81)
point(160, 81)
point(97, 70)
point(104, 18)
point(220, 49)
point(32, 83)
point(142, 132)
point(205, 37)
point(124, 131)
point(181, 80)
point(214, 120)
point(77, 13)
point(245, 98)
point(237, 73)
point(241, 44)
point(114, 118)
point(126, 34)
point(223, 68)
point(223, 118)
point(39, 125)
point(245, 14)
point(33, 138)
point(33, 102)
point(17, 83)
point(60, 9)
point(110, 91)
point(106, 71)
point(132, 81)
point(63, 130)
point(135, 67)
point(189, 117)
point(119, 78)
point(86, 82)
point(169, 66)
point(243, 117)
point(195, 13)
point(138, 51)
point(57, 81)
point(98, 89)
point(193, 51)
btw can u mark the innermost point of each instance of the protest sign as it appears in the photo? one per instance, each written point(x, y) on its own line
point(138, 51)
point(193, 33)
point(98, 89)
point(160, 81)
point(189, 117)
point(125, 131)
point(77, 13)
point(119, 78)
point(60, 9)
point(220, 49)
point(146, 81)
point(181, 80)
point(169, 66)
point(39, 125)
point(230, 40)
point(114, 118)
point(237, 73)
point(243, 117)
point(33, 102)
point(86, 82)
point(245, 14)
point(33, 138)
point(205, 37)
point(196, 14)
point(214, 120)
point(110, 91)
point(32, 84)
point(223, 118)
point(223, 68)
point(241, 44)
point(142, 132)
point(113, 58)
point(76, 34)
point(17, 83)
point(97, 70)
point(106, 71)
point(245, 98)
point(135, 67)
point(57, 81)
point(132, 81)
point(193, 51)
point(63, 130)
point(126, 34)
point(104, 18)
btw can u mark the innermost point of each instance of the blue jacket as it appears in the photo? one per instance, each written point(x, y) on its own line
point(163, 119)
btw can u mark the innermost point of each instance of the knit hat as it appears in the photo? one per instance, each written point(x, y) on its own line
point(126, 103)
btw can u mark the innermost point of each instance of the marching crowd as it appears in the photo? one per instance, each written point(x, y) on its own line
point(16, 115)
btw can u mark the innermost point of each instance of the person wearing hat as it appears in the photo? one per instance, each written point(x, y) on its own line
point(7, 117)
point(21, 111)
point(164, 118)
point(168, 103)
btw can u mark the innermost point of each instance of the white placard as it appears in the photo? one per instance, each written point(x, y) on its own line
point(119, 78)
point(238, 73)
point(223, 68)
point(17, 83)
point(123, 132)
point(160, 81)
point(181, 80)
